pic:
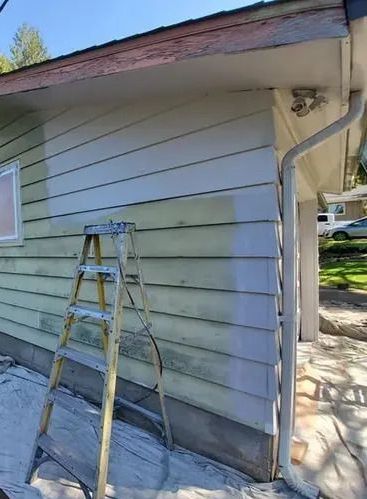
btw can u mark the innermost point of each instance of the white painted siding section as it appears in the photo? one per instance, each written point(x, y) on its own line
point(199, 177)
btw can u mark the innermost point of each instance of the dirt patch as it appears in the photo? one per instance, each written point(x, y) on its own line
point(343, 319)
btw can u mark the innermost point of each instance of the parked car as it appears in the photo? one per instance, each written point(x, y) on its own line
point(326, 221)
point(353, 230)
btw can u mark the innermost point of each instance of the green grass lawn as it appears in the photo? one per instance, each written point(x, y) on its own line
point(352, 273)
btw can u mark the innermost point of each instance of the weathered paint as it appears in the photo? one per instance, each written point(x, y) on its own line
point(200, 179)
point(250, 204)
point(268, 26)
point(211, 366)
point(206, 273)
point(257, 239)
point(239, 341)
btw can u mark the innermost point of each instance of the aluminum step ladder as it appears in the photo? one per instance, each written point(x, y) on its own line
point(93, 479)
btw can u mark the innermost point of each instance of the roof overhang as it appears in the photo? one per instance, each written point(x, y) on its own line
point(314, 64)
point(357, 194)
point(255, 27)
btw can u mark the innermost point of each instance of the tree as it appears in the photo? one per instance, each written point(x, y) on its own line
point(28, 47)
point(5, 64)
point(361, 175)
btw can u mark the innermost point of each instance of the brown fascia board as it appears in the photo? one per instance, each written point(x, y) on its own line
point(270, 25)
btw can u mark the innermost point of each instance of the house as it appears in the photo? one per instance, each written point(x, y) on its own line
point(349, 205)
point(215, 137)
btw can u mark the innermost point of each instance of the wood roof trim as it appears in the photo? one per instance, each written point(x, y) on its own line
point(232, 33)
point(187, 29)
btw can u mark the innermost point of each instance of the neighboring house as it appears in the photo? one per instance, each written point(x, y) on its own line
point(348, 205)
point(184, 130)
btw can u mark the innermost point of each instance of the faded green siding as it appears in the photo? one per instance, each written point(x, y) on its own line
point(199, 177)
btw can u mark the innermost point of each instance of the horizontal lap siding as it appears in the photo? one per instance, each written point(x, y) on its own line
point(199, 177)
point(234, 404)
point(258, 239)
point(252, 204)
point(222, 306)
point(201, 363)
point(239, 341)
point(203, 273)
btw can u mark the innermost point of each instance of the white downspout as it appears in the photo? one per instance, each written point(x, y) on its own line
point(289, 334)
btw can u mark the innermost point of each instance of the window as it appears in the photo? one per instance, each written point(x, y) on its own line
point(337, 208)
point(11, 233)
point(360, 223)
point(322, 218)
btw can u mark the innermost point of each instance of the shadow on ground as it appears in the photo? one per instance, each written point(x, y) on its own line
point(331, 417)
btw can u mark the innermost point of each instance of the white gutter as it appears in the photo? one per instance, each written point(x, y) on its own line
point(289, 334)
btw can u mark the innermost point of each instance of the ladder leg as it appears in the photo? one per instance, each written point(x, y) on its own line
point(154, 353)
point(54, 378)
point(57, 365)
point(101, 291)
point(106, 418)
point(109, 387)
point(64, 338)
point(167, 426)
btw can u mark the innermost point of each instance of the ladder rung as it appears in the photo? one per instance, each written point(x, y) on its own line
point(111, 228)
point(133, 276)
point(67, 402)
point(98, 269)
point(82, 358)
point(91, 313)
point(153, 416)
point(68, 459)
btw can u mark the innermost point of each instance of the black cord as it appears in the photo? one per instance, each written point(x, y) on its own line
point(147, 330)
point(145, 325)
point(152, 389)
point(3, 5)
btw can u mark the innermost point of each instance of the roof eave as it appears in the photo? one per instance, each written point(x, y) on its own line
point(260, 26)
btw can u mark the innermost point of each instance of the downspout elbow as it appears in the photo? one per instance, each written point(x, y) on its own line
point(297, 484)
point(356, 110)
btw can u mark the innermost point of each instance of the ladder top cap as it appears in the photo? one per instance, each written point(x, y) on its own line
point(110, 228)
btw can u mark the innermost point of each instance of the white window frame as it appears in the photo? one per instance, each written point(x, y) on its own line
point(342, 204)
point(17, 239)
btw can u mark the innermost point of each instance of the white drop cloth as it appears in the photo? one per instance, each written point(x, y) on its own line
point(140, 467)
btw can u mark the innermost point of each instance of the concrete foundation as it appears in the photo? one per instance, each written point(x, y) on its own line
point(226, 441)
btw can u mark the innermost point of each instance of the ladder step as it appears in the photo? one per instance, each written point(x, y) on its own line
point(67, 402)
point(83, 358)
point(153, 416)
point(111, 228)
point(98, 269)
point(68, 459)
point(92, 416)
point(133, 276)
point(90, 313)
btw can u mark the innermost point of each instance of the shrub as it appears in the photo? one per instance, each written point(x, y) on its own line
point(330, 248)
